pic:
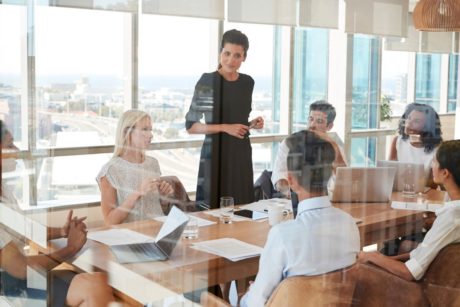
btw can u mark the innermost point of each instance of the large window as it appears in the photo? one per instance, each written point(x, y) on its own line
point(79, 76)
point(13, 85)
point(365, 101)
point(169, 71)
point(310, 72)
point(428, 79)
point(453, 83)
point(395, 73)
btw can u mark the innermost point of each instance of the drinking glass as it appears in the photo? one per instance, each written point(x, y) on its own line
point(227, 207)
point(191, 229)
point(409, 182)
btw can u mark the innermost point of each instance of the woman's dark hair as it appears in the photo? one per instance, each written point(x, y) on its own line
point(237, 38)
point(430, 136)
point(448, 156)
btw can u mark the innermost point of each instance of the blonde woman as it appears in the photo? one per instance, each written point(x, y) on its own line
point(129, 182)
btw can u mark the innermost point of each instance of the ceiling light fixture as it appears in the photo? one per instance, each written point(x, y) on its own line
point(437, 15)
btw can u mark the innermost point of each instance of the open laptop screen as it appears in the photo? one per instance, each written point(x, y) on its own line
point(363, 184)
point(406, 172)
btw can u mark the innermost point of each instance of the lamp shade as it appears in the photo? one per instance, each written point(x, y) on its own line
point(437, 15)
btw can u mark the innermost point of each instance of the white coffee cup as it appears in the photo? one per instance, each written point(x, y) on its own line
point(275, 214)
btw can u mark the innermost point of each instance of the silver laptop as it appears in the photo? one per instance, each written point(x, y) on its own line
point(161, 249)
point(363, 184)
point(412, 173)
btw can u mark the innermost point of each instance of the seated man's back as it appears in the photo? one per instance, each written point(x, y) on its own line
point(321, 239)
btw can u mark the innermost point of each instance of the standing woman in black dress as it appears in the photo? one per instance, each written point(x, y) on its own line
point(224, 97)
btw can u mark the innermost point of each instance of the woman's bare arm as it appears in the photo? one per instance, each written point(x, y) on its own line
point(236, 130)
point(393, 153)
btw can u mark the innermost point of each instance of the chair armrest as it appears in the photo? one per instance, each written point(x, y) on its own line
point(377, 287)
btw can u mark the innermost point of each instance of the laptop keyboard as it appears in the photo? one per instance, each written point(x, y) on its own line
point(147, 249)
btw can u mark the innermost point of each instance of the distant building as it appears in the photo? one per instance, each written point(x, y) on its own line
point(401, 89)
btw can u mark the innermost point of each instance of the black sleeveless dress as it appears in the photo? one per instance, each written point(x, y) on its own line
point(226, 161)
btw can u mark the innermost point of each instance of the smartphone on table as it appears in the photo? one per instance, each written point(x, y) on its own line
point(255, 215)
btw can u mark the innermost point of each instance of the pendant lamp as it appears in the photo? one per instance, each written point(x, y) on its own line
point(437, 15)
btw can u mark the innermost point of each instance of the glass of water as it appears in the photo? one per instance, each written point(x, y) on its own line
point(409, 182)
point(191, 229)
point(227, 207)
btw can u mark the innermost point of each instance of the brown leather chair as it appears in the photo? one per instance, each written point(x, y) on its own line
point(440, 286)
point(179, 198)
point(378, 288)
point(331, 289)
point(208, 299)
point(441, 282)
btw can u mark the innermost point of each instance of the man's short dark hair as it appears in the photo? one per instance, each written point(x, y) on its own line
point(310, 160)
point(325, 107)
point(448, 156)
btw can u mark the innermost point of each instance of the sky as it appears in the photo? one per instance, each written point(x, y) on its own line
point(91, 42)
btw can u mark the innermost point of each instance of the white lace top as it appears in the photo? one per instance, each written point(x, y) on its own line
point(408, 153)
point(126, 177)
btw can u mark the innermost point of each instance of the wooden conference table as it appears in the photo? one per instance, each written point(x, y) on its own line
point(190, 269)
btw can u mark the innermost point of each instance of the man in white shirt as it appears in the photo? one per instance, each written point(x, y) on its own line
point(321, 239)
point(445, 229)
point(320, 119)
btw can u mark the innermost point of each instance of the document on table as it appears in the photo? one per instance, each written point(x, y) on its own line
point(418, 206)
point(262, 205)
point(229, 248)
point(201, 222)
point(117, 236)
point(216, 213)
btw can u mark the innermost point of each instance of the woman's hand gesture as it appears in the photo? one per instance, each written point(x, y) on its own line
point(236, 130)
point(165, 188)
point(257, 123)
point(148, 185)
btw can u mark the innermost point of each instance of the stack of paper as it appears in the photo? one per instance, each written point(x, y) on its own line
point(419, 206)
point(216, 213)
point(229, 248)
point(201, 222)
point(262, 205)
point(118, 236)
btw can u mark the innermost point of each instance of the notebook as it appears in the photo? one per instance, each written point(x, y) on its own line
point(363, 184)
point(163, 246)
point(416, 174)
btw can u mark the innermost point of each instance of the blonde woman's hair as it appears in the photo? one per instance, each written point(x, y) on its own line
point(125, 126)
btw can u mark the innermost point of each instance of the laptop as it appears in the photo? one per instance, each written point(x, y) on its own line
point(363, 184)
point(163, 246)
point(416, 174)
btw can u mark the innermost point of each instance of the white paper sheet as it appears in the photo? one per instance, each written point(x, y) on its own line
point(174, 219)
point(118, 236)
point(229, 248)
point(216, 213)
point(262, 205)
point(418, 206)
point(201, 222)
